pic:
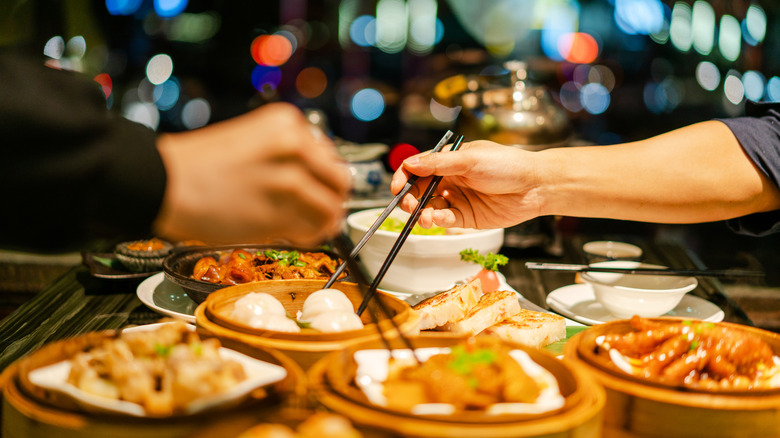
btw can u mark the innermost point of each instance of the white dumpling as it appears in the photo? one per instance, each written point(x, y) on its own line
point(336, 321)
point(325, 301)
point(278, 323)
point(255, 304)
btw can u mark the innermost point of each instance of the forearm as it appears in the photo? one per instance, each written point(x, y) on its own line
point(695, 174)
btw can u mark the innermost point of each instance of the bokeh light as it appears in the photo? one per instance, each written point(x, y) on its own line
point(639, 17)
point(561, 19)
point(169, 8)
point(143, 113)
point(76, 47)
point(367, 104)
point(753, 82)
point(733, 88)
point(422, 26)
point(271, 50)
point(444, 113)
point(754, 25)
point(263, 75)
point(106, 84)
point(703, 27)
point(362, 31)
point(773, 89)
point(578, 47)
point(603, 75)
point(391, 25)
point(680, 32)
point(159, 68)
point(708, 75)
point(594, 98)
point(55, 47)
point(166, 95)
point(570, 97)
point(730, 38)
point(311, 82)
point(196, 113)
point(123, 7)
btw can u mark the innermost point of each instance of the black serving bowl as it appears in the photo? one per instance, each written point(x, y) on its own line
point(179, 265)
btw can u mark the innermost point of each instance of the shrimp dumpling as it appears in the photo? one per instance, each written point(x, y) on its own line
point(336, 321)
point(279, 323)
point(256, 305)
point(325, 301)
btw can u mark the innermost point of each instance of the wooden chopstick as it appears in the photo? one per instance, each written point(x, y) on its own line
point(427, 195)
point(343, 244)
point(646, 271)
point(384, 215)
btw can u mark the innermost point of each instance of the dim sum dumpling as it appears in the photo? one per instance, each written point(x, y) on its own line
point(279, 323)
point(256, 304)
point(325, 301)
point(336, 321)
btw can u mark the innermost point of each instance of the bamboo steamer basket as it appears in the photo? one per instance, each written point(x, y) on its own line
point(638, 408)
point(32, 412)
point(309, 345)
point(331, 381)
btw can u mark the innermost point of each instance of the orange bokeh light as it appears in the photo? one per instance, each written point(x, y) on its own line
point(271, 50)
point(105, 83)
point(579, 48)
point(311, 82)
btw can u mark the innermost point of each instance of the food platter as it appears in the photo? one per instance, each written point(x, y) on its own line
point(166, 298)
point(577, 301)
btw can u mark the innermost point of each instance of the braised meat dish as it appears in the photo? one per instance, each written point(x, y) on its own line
point(241, 266)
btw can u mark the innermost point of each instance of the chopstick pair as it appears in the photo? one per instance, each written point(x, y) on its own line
point(646, 271)
point(343, 245)
point(375, 226)
point(427, 195)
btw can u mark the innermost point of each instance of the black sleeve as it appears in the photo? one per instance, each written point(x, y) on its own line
point(759, 135)
point(72, 170)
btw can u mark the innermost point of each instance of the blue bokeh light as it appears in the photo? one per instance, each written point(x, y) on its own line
point(263, 75)
point(166, 95)
point(123, 7)
point(367, 104)
point(753, 82)
point(360, 31)
point(594, 98)
point(639, 17)
point(773, 89)
point(169, 8)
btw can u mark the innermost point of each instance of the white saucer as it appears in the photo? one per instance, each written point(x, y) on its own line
point(166, 298)
point(578, 302)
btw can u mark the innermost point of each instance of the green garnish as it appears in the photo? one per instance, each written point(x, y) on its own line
point(686, 322)
point(162, 350)
point(490, 261)
point(463, 361)
point(242, 256)
point(197, 348)
point(694, 344)
point(285, 258)
point(397, 225)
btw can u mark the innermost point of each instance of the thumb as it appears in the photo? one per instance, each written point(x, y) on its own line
point(440, 163)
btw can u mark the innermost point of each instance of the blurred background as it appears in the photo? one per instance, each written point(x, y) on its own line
point(395, 72)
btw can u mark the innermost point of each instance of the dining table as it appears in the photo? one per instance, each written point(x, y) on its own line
point(79, 302)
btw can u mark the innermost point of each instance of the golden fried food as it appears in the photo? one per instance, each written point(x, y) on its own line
point(695, 354)
point(472, 376)
point(162, 370)
point(241, 266)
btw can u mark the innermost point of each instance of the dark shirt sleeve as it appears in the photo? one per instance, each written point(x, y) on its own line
point(72, 171)
point(759, 135)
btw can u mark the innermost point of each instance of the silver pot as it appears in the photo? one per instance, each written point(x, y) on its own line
point(520, 114)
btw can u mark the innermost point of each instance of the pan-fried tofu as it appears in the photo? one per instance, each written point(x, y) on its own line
point(491, 308)
point(530, 328)
point(448, 306)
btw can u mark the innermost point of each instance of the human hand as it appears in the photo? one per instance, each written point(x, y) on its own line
point(267, 174)
point(484, 185)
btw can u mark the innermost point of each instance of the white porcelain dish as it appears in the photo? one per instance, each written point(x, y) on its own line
point(166, 298)
point(425, 263)
point(604, 250)
point(373, 368)
point(577, 302)
point(648, 296)
point(259, 374)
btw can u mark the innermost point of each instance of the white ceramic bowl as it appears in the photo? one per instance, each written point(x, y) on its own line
point(425, 263)
point(626, 295)
point(606, 250)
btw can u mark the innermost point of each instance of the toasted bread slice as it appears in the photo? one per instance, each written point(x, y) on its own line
point(448, 306)
point(530, 328)
point(492, 307)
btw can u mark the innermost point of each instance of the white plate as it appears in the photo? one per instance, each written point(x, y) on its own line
point(166, 298)
point(373, 368)
point(578, 302)
point(259, 373)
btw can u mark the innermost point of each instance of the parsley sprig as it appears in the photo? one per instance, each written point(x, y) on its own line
point(489, 261)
